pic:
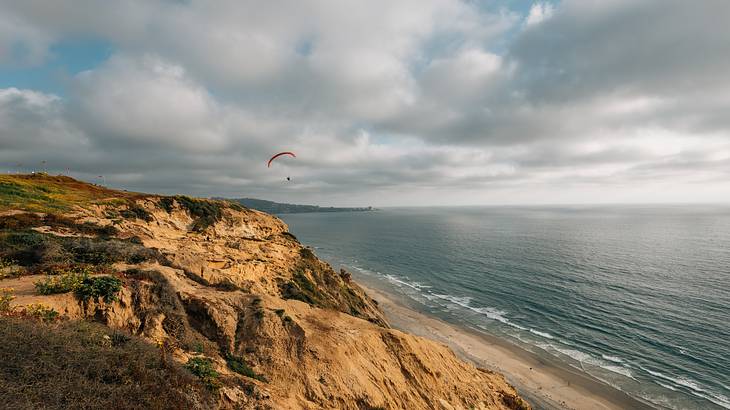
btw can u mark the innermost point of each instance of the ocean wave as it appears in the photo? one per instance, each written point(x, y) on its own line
point(543, 334)
point(583, 357)
point(618, 369)
point(577, 355)
point(694, 387)
point(412, 285)
point(614, 359)
point(462, 301)
point(666, 386)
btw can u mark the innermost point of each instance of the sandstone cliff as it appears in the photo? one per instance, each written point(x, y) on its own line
point(208, 279)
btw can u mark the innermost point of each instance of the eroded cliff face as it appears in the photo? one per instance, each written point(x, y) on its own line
point(235, 285)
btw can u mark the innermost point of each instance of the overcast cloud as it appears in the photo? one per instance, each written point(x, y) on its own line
point(410, 102)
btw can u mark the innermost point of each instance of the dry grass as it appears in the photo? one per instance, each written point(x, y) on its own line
point(45, 193)
point(88, 366)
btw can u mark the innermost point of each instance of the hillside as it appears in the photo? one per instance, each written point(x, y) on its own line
point(219, 301)
point(283, 208)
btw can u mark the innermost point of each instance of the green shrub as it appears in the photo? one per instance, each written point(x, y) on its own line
point(302, 288)
point(307, 253)
point(60, 283)
point(136, 211)
point(206, 213)
point(514, 402)
point(6, 296)
point(238, 365)
point(105, 287)
point(279, 312)
point(166, 203)
point(203, 368)
point(40, 251)
point(42, 312)
point(8, 269)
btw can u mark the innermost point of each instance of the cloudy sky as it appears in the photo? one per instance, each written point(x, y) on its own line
point(408, 102)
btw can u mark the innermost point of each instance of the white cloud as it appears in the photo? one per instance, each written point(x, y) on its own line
point(411, 99)
point(538, 13)
point(146, 100)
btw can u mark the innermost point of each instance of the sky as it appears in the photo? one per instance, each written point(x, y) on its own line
point(385, 103)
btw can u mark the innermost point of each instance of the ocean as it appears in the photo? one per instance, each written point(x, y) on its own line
point(637, 296)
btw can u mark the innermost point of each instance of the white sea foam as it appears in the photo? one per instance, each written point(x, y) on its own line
point(694, 387)
point(412, 285)
point(618, 369)
point(577, 355)
point(462, 301)
point(614, 359)
point(543, 334)
point(517, 326)
point(666, 386)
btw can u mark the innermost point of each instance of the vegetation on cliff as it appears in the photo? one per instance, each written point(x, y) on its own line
point(78, 364)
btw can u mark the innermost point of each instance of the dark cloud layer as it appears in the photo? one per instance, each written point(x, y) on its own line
point(413, 102)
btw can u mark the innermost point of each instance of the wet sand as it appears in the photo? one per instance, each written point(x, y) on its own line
point(545, 383)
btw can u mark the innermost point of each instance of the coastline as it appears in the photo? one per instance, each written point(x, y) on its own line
point(544, 383)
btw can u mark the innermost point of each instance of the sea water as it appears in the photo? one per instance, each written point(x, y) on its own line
point(637, 296)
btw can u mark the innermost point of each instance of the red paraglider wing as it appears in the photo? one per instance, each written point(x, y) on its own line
point(278, 155)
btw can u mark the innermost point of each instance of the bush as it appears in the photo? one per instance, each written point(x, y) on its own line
point(105, 287)
point(60, 284)
point(23, 221)
point(238, 365)
point(41, 251)
point(136, 211)
point(206, 213)
point(166, 203)
point(8, 269)
point(42, 312)
point(514, 402)
point(6, 296)
point(203, 368)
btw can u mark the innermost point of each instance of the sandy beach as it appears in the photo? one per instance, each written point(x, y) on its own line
point(545, 383)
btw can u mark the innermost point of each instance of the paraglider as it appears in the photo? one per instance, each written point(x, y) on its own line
point(277, 156)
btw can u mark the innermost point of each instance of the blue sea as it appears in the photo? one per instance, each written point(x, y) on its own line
point(637, 296)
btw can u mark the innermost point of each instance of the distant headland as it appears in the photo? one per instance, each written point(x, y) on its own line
point(282, 208)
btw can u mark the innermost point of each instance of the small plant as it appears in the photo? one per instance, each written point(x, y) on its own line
point(42, 312)
point(60, 270)
point(238, 365)
point(287, 319)
point(514, 402)
point(6, 296)
point(136, 211)
point(105, 287)
point(279, 312)
point(8, 269)
point(166, 203)
point(60, 283)
point(203, 368)
point(119, 339)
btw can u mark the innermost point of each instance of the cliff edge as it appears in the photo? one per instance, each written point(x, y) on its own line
point(225, 291)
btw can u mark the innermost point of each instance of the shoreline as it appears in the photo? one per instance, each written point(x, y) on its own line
point(543, 382)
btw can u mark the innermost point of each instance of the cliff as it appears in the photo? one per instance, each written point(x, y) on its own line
point(224, 290)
